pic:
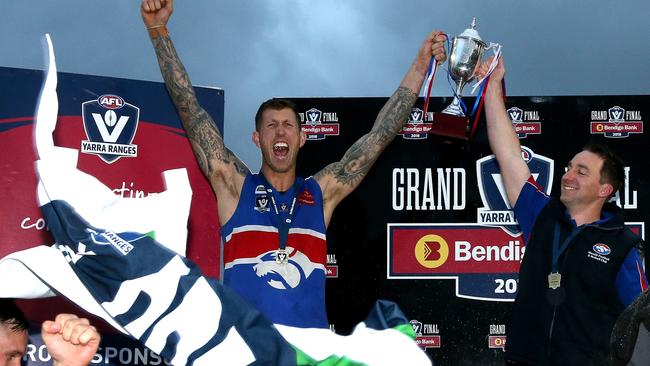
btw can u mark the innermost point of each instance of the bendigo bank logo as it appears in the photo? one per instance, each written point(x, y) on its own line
point(318, 125)
point(484, 261)
point(416, 128)
point(431, 251)
point(497, 337)
point(426, 335)
point(331, 269)
point(110, 124)
point(525, 122)
point(616, 122)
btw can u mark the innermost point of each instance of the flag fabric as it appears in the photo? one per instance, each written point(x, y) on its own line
point(122, 260)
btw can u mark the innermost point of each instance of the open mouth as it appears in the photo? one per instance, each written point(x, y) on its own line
point(281, 150)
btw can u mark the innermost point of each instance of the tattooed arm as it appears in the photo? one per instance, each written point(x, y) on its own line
point(338, 179)
point(224, 170)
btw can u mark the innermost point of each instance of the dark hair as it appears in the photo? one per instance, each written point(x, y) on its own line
point(275, 104)
point(11, 316)
point(613, 171)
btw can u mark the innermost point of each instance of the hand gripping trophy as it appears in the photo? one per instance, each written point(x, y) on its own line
point(464, 58)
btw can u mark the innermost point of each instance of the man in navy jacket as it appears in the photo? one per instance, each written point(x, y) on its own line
point(582, 266)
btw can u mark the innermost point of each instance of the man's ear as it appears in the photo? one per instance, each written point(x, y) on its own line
point(605, 190)
point(256, 138)
point(303, 137)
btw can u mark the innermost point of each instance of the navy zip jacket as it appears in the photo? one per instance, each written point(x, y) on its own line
point(572, 325)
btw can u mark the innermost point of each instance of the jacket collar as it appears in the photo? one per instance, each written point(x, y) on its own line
point(611, 216)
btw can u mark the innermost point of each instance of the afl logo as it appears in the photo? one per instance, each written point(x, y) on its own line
point(110, 101)
point(431, 251)
point(601, 249)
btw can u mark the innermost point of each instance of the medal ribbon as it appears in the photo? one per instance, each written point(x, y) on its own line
point(428, 80)
point(433, 65)
point(496, 50)
point(283, 225)
point(482, 85)
point(479, 100)
point(559, 249)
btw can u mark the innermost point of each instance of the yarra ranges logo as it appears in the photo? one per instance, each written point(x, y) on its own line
point(110, 124)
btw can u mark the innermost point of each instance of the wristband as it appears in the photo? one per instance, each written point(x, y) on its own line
point(158, 31)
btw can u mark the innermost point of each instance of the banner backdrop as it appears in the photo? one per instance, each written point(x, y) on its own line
point(128, 133)
point(429, 227)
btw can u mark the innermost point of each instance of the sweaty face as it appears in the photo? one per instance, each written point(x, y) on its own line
point(12, 346)
point(581, 182)
point(279, 138)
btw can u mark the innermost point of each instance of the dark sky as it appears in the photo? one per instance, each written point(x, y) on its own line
point(257, 49)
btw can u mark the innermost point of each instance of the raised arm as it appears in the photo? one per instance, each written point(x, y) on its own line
point(224, 170)
point(502, 137)
point(338, 179)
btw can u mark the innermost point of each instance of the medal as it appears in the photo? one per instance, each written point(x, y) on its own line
point(282, 219)
point(554, 279)
point(281, 256)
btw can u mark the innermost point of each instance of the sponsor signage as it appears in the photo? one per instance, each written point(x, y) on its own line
point(497, 337)
point(318, 125)
point(484, 262)
point(452, 243)
point(616, 122)
point(416, 128)
point(331, 268)
point(426, 335)
point(525, 122)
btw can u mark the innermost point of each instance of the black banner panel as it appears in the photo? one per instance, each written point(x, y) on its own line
point(429, 226)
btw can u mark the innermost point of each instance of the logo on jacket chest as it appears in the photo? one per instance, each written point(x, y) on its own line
point(599, 252)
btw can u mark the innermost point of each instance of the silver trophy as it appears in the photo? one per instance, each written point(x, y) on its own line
point(464, 57)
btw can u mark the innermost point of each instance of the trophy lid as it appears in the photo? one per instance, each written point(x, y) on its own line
point(471, 32)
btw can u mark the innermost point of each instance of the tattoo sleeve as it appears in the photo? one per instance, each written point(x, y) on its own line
point(358, 159)
point(206, 140)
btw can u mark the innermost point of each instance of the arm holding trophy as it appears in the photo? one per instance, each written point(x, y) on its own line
point(340, 178)
point(501, 134)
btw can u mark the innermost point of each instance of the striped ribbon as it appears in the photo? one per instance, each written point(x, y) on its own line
point(433, 65)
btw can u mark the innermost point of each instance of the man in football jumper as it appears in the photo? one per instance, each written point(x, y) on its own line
point(273, 224)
